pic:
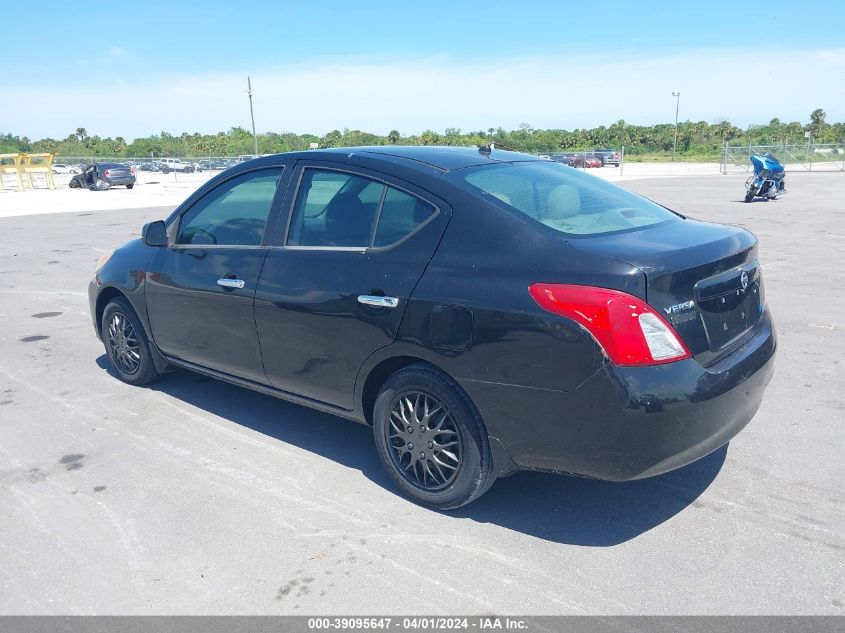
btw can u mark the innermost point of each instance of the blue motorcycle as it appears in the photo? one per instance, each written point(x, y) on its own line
point(769, 179)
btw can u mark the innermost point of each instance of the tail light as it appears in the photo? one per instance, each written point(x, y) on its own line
point(629, 330)
point(132, 171)
point(106, 173)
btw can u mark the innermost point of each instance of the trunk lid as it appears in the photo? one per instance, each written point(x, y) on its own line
point(703, 278)
point(118, 173)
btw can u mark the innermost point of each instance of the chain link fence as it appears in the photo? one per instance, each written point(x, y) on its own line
point(186, 163)
point(794, 157)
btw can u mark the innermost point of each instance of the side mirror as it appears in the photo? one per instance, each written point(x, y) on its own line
point(154, 233)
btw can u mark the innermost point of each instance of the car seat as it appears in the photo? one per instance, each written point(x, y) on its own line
point(347, 221)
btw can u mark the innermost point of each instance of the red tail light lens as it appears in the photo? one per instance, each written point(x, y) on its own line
point(629, 330)
point(133, 171)
point(106, 173)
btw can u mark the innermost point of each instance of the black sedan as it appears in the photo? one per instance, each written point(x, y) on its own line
point(484, 311)
point(103, 176)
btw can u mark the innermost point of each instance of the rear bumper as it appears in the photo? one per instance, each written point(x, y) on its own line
point(629, 422)
point(128, 180)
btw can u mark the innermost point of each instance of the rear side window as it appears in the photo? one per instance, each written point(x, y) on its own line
point(338, 209)
point(232, 214)
point(400, 215)
point(563, 198)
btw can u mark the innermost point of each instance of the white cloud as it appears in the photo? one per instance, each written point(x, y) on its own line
point(560, 92)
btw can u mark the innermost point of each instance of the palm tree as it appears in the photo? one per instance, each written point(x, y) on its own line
point(393, 137)
point(81, 134)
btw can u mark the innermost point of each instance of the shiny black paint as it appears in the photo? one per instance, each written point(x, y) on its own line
point(548, 396)
point(195, 319)
point(314, 333)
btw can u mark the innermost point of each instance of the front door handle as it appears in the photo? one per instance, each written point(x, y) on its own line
point(230, 283)
point(379, 302)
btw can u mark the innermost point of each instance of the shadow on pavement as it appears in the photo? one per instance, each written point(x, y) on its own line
point(556, 508)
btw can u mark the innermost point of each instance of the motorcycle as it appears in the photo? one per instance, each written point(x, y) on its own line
point(769, 179)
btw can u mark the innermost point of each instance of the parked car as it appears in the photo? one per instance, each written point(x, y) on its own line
point(149, 166)
point(585, 160)
point(61, 168)
point(627, 341)
point(220, 164)
point(566, 159)
point(103, 176)
point(608, 157)
point(174, 164)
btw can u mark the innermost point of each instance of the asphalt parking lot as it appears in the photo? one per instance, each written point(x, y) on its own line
point(194, 496)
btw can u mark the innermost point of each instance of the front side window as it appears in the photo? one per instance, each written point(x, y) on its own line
point(564, 199)
point(337, 209)
point(234, 213)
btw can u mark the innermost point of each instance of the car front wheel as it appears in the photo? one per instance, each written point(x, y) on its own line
point(431, 439)
point(126, 343)
point(74, 183)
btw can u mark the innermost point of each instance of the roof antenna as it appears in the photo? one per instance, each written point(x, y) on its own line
point(486, 149)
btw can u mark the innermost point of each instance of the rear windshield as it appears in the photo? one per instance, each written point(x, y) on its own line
point(563, 198)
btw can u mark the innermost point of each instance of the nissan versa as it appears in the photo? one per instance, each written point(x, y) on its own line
point(484, 311)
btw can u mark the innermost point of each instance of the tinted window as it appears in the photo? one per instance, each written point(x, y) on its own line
point(400, 215)
point(234, 213)
point(339, 209)
point(334, 209)
point(564, 199)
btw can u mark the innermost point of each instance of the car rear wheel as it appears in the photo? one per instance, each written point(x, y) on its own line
point(431, 439)
point(130, 186)
point(126, 343)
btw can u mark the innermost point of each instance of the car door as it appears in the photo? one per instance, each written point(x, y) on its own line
point(200, 289)
point(336, 288)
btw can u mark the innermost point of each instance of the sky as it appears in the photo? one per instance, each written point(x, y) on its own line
point(376, 66)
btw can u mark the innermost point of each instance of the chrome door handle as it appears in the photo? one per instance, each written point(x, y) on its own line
point(230, 283)
point(379, 302)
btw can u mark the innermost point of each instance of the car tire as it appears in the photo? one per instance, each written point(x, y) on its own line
point(452, 465)
point(165, 170)
point(130, 186)
point(126, 343)
point(73, 184)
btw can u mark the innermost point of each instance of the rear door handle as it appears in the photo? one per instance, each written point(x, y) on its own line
point(230, 283)
point(379, 302)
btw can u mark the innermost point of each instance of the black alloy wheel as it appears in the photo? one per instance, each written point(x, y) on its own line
point(425, 443)
point(126, 343)
point(431, 439)
point(124, 349)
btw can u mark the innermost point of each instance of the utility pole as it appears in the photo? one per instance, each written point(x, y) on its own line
point(251, 115)
point(677, 96)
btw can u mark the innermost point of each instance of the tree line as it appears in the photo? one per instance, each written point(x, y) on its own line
point(696, 140)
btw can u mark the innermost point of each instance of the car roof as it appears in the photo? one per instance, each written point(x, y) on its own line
point(441, 158)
